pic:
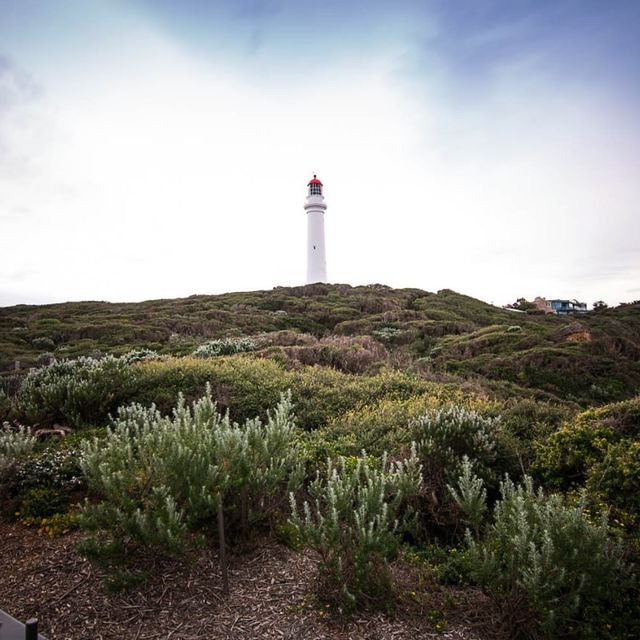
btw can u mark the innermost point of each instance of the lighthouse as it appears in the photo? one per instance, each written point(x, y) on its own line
point(315, 207)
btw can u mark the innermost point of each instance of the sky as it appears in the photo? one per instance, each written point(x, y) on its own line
point(159, 149)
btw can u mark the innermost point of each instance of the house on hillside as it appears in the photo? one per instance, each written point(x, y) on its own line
point(560, 307)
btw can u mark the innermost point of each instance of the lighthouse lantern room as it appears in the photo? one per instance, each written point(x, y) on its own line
point(315, 207)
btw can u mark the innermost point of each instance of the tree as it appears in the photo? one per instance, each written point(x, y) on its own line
point(522, 304)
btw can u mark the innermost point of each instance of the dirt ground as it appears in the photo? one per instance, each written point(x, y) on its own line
point(271, 596)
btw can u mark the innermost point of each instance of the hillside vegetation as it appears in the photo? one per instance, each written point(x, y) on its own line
point(593, 358)
point(420, 449)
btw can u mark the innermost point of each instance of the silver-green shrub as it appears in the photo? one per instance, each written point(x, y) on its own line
point(161, 476)
point(470, 495)
point(225, 346)
point(446, 435)
point(140, 355)
point(570, 572)
point(352, 522)
point(15, 444)
point(80, 392)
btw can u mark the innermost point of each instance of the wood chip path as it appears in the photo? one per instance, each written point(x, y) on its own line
point(271, 597)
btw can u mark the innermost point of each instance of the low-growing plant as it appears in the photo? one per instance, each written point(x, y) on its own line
point(248, 386)
point(56, 468)
point(352, 354)
point(59, 524)
point(80, 392)
point(470, 495)
point(570, 572)
point(353, 523)
point(5, 405)
point(140, 355)
point(386, 425)
point(42, 502)
point(448, 434)
point(44, 343)
point(386, 334)
point(161, 477)
point(224, 347)
point(15, 444)
point(598, 450)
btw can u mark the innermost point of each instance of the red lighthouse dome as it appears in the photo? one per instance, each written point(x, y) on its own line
point(315, 186)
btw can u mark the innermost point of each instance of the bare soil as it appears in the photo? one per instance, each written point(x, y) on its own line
point(272, 596)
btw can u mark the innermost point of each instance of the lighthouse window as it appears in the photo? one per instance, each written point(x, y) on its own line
point(315, 189)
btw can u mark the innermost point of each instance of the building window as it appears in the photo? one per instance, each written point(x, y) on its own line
point(315, 189)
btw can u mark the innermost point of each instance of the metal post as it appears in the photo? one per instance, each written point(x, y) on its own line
point(31, 629)
point(223, 556)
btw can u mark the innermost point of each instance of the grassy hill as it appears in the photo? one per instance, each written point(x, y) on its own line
point(445, 336)
point(423, 415)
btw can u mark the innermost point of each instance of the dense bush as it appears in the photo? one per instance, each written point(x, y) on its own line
point(384, 425)
point(448, 434)
point(352, 522)
point(59, 468)
point(44, 343)
point(159, 477)
point(79, 392)
point(5, 405)
point(42, 502)
point(572, 575)
point(599, 449)
point(224, 347)
point(248, 386)
point(14, 445)
point(244, 385)
point(140, 355)
point(346, 353)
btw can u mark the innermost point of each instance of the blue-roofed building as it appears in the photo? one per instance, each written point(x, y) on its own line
point(566, 307)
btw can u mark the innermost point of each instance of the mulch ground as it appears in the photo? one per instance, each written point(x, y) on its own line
point(271, 596)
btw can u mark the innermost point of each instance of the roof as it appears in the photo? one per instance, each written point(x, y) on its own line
point(315, 180)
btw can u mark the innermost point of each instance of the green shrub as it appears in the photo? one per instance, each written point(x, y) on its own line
point(224, 347)
point(80, 392)
point(386, 334)
point(352, 523)
point(599, 450)
point(572, 575)
point(5, 405)
point(529, 419)
point(42, 502)
point(470, 495)
point(44, 344)
point(14, 445)
point(53, 526)
point(159, 477)
point(321, 393)
point(244, 385)
point(346, 353)
point(385, 425)
point(140, 355)
point(58, 468)
point(248, 386)
point(446, 435)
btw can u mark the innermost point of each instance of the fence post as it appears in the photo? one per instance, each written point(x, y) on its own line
point(31, 629)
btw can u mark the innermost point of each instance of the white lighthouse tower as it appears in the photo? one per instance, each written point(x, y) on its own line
point(315, 207)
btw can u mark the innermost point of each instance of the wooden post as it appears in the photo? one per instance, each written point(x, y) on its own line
point(223, 555)
point(244, 512)
point(31, 629)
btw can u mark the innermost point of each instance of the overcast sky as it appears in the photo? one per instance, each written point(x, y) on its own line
point(161, 148)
